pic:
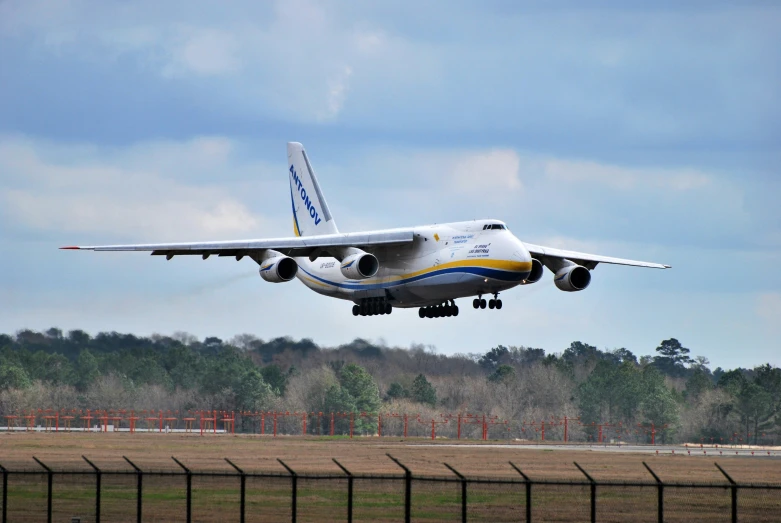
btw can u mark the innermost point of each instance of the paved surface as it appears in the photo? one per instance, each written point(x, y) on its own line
point(706, 451)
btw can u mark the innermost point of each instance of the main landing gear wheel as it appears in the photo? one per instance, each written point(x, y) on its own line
point(372, 307)
point(444, 310)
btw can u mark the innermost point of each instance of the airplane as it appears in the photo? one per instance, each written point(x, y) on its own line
point(426, 267)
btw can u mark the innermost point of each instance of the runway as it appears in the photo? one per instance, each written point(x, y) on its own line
point(676, 450)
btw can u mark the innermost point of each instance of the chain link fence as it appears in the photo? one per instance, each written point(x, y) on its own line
point(90, 494)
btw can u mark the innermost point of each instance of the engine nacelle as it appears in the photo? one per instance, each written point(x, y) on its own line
point(572, 278)
point(536, 273)
point(278, 269)
point(360, 266)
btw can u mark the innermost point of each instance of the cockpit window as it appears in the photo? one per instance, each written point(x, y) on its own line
point(493, 226)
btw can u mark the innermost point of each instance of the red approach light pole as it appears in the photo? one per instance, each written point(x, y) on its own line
point(401, 416)
point(653, 431)
point(434, 424)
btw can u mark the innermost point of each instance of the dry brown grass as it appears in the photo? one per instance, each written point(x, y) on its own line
point(363, 455)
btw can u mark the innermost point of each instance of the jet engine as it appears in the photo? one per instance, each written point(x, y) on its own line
point(359, 266)
point(536, 273)
point(572, 278)
point(278, 269)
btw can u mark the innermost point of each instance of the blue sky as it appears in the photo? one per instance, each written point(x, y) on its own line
point(641, 132)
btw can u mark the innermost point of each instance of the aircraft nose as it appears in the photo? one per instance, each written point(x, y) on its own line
point(521, 253)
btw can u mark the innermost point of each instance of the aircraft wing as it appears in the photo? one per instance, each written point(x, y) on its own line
point(587, 260)
point(293, 246)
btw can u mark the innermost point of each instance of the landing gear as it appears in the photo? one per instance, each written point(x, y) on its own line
point(480, 303)
point(444, 310)
point(372, 307)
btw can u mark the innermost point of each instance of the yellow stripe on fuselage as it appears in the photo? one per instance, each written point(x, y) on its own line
point(315, 282)
point(504, 265)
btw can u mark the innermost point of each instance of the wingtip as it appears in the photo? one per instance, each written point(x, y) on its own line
point(70, 248)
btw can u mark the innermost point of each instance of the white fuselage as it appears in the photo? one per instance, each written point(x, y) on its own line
point(444, 262)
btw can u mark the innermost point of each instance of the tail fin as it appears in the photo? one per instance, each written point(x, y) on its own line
point(311, 216)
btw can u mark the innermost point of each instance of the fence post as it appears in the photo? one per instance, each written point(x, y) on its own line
point(189, 489)
point(294, 481)
point(734, 489)
point(243, 493)
point(593, 493)
point(139, 489)
point(50, 478)
point(5, 494)
point(97, 488)
point(528, 492)
point(407, 489)
point(660, 509)
point(349, 491)
point(463, 491)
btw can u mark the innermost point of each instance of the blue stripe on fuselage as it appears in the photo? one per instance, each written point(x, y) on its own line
point(478, 271)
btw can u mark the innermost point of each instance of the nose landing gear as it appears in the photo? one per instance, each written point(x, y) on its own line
point(480, 303)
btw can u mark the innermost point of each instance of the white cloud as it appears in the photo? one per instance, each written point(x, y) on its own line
point(624, 178)
point(125, 193)
point(337, 93)
point(294, 59)
point(489, 170)
point(204, 51)
point(769, 308)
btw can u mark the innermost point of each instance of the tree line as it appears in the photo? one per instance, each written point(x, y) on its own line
point(680, 396)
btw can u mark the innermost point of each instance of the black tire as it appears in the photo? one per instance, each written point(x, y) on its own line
point(428, 312)
point(491, 304)
point(356, 310)
point(455, 310)
point(388, 308)
point(476, 303)
point(421, 312)
point(498, 304)
point(482, 304)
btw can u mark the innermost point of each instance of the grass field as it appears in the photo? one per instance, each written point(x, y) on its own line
point(360, 455)
point(268, 499)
